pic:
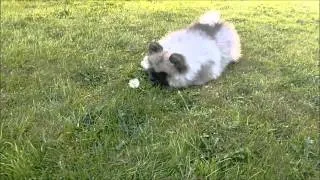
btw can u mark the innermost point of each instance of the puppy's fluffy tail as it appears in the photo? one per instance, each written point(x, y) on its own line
point(210, 17)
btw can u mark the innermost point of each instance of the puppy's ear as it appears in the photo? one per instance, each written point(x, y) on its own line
point(155, 47)
point(179, 62)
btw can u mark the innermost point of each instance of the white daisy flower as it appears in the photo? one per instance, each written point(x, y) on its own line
point(134, 83)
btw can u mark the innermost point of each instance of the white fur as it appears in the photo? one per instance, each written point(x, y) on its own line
point(197, 50)
point(200, 50)
point(144, 63)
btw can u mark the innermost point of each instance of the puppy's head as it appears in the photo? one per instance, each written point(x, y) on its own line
point(163, 64)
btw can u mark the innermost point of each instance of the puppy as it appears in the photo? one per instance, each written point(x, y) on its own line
point(194, 55)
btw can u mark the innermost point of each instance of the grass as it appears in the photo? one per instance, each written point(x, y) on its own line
point(67, 110)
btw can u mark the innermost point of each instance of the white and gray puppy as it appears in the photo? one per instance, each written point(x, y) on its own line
point(194, 55)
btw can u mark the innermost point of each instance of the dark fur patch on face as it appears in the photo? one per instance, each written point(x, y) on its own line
point(155, 47)
point(210, 30)
point(158, 78)
point(179, 62)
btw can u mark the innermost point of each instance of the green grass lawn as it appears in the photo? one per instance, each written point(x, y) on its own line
point(67, 110)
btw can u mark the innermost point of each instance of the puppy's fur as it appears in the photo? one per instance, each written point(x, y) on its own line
point(194, 55)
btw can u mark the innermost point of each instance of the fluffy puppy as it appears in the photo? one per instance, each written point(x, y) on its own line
point(194, 55)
